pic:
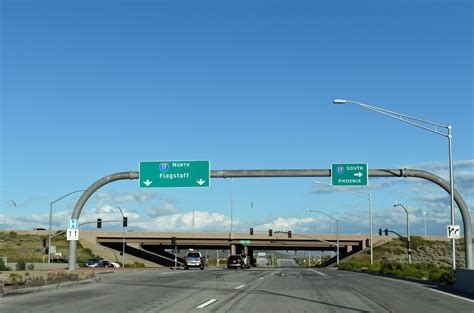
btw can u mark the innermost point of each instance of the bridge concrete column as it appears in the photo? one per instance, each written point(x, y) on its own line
point(343, 250)
point(233, 249)
point(246, 250)
point(250, 251)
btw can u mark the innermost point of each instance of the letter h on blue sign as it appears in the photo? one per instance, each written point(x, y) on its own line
point(73, 223)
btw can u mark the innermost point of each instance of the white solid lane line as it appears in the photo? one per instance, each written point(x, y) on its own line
point(238, 287)
point(451, 295)
point(208, 302)
point(318, 272)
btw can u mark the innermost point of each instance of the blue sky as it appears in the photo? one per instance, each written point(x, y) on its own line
point(90, 88)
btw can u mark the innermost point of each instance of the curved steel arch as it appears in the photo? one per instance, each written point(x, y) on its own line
point(463, 208)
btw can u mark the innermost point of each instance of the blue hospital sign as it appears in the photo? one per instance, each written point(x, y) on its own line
point(73, 224)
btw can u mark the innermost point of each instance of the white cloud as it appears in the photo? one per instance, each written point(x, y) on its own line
point(159, 210)
point(292, 223)
point(184, 222)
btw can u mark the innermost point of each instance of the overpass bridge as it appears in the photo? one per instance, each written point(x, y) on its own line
point(152, 246)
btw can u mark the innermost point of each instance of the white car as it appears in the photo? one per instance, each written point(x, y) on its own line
point(193, 259)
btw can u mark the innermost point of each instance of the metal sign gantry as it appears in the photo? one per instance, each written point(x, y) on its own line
point(463, 208)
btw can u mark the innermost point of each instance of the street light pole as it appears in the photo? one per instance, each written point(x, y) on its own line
point(424, 219)
point(51, 219)
point(422, 124)
point(371, 231)
point(123, 238)
point(367, 197)
point(231, 205)
point(337, 230)
point(451, 191)
point(408, 230)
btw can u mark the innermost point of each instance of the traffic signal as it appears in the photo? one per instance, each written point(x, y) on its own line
point(386, 231)
point(173, 242)
point(289, 234)
point(367, 242)
point(270, 232)
point(125, 221)
point(380, 231)
point(251, 230)
point(99, 223)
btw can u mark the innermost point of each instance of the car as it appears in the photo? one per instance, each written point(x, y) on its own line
point(193, 259)
point(93, 262)
point(105, 263)
point(236, 261)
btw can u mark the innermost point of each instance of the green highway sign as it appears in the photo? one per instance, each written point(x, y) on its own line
point(174, 174)
point(349, 175)
point(245, 242)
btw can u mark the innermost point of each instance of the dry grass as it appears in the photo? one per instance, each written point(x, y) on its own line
point(29, 247)
point(423, 251)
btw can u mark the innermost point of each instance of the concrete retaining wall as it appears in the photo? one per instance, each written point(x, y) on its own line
point(465, 281)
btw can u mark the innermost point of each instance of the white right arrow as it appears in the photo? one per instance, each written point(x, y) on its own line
point(358, 174)
point(147, 182)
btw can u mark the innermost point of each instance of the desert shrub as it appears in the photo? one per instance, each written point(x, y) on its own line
point(37, 281)
point(433, 272)
point(20, 265)
point(448, 277)
point(135, 265)
point(353, 266)
point(3, 266)
point(57, 278)
point(15, 278)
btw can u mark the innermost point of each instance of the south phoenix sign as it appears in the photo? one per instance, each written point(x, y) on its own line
point(349, 175)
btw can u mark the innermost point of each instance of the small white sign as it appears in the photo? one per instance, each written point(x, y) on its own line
point(72, 234)
point(52, 249)
point(73, 223)
point(454, 231)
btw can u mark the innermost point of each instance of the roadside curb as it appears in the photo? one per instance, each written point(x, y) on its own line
point(409, 279)
point(23, 291)
point(428, 283)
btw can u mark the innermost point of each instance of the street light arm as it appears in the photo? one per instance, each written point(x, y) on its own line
point(404, 118)
point(53, 202)
point(401, 205)
point(121, 212)
point(316, 211)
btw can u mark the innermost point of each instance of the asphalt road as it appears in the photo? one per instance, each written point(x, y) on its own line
point(273, 290)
